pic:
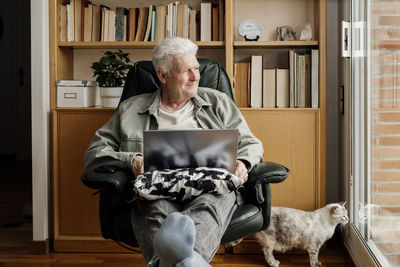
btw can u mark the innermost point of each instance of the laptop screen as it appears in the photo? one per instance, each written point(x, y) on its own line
point(173, 149)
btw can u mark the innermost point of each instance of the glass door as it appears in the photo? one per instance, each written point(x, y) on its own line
point(374, 120)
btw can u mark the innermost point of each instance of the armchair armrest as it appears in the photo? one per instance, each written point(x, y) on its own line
point(104, 177)
point(263, 174)
point(115, 191)
point(258, 190)
point(268, 172)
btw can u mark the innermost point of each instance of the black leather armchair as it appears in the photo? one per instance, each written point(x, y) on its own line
point(116, 188)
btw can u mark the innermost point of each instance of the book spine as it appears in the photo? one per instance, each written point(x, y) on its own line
point(119, 24)
point(256, 81)
point(269, 88)
point(282, 88)
point(314, 79)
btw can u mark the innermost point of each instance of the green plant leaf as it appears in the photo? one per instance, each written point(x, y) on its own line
point(111, 70)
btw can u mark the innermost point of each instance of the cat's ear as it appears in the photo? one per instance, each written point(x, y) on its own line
point(343, 203)
point(334, 208)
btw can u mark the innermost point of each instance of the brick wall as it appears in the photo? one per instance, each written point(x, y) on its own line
point(385, 127)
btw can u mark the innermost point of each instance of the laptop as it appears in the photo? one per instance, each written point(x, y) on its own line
point(173, 149)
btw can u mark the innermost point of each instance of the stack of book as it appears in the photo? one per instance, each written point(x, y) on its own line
point(295, 87)
point(83, 21)
point(303, 88)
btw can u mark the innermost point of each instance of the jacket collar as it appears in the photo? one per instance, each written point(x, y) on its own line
point(153, 102)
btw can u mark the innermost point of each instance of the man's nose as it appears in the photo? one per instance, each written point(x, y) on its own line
point(194, 75)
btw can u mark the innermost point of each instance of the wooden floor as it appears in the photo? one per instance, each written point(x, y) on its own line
point(16, 234)
point(328, 258)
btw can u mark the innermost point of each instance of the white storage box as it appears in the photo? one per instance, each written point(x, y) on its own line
point(77, 93)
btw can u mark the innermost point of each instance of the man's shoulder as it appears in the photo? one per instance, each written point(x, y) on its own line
point(137, 102)
point(206, 92)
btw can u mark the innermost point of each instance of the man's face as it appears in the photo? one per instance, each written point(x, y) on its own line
point(183, 79)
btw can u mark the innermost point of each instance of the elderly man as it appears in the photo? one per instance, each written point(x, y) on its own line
point(172, 233)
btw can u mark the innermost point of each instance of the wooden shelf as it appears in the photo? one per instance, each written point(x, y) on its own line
point(144, 45)
point(264, 44)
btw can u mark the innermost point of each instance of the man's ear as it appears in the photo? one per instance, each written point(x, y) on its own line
point(162, 76)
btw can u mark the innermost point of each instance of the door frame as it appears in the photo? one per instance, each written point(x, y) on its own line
point(40, 118)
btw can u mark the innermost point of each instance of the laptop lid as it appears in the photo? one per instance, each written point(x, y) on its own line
point(172, 149)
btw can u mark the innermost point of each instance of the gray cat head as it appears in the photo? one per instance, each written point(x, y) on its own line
point(338, 212)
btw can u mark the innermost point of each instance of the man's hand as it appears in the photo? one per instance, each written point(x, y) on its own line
point(241, 170)
point(137, 165)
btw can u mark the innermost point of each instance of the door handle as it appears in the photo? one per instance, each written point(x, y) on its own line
point(346, 38)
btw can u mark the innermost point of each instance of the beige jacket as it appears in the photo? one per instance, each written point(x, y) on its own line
point(121, 138)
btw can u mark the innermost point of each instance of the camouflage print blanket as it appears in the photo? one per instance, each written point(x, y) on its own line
point(183, 184)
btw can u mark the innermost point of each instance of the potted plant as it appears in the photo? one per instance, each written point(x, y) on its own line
point(110, 72)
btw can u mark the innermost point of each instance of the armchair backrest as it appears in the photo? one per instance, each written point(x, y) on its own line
point(142, 78)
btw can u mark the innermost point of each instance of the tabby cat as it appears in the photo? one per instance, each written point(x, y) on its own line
point(291, 228)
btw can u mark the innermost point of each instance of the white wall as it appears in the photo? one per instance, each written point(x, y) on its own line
point(40, 118)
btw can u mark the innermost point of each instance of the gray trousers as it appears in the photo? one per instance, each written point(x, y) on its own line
point(210, 213)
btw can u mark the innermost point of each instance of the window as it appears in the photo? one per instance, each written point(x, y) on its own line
point(374, 187)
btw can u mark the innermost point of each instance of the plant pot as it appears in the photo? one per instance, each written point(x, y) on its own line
point(110, 96)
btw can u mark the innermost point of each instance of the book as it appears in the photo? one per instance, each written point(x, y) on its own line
point(109, 27)
point(307, 81)
point(161, 17)
point(142, 22)
point(174, 18)
point(282, 88)
point(126, 26)
point(292, 81)
point(205, 21)
point(103, 22)
point(96, 24)
point(241, 87)
point(314, 79)
point(185, 21)
point(153, 26)
point(77, 20)
point(214, 23)
point(120, 13)
point(269, 94)
point(84, 6)
point(300, 83)
point(192, 25)
point(168, 21)
point(180, 19)
point(87, 23)
point(104, 25)
point(147, 36)
point(70, 22)
point(63, 23)
point(132, 23)
point(221, 20)
point(256, 81)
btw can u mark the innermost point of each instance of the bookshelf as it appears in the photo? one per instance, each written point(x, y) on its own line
point(295, 137)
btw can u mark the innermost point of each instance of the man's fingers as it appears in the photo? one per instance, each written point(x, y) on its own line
point(241, 170)
point(137, 165)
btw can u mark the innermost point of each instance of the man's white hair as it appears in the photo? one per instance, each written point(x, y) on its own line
point(166, 50)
